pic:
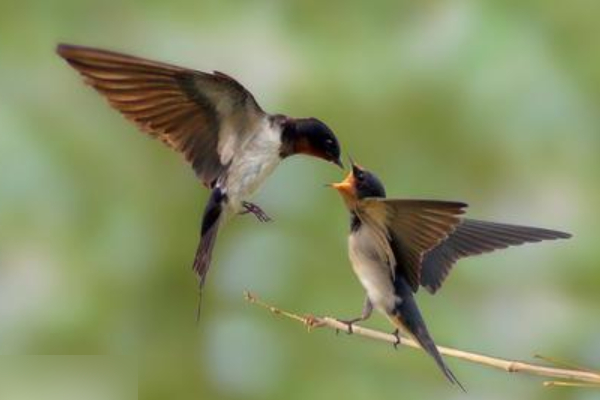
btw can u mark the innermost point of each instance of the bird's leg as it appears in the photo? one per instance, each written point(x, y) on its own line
point(366, 313)
point(396, 333)
point(256, 210)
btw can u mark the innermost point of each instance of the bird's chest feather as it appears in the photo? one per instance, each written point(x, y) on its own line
point(372, 268)
point(251, 168)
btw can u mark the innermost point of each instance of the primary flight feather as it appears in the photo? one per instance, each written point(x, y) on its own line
point(232, 144)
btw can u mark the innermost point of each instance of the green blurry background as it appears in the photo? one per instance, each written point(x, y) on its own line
point(493, 103)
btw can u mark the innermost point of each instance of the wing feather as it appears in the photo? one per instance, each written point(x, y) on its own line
point(413, 227)
point(472, 237)
point(184, 108)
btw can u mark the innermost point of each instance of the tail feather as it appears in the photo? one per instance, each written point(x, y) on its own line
point(208, 235)
point(407, 317)
point(429, 346)
point(204, 253)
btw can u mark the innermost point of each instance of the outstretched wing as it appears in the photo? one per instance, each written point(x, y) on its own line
point(413, 228)
point(474, 237)
point(204, 116)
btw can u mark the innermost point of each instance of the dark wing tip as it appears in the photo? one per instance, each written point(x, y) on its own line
point(63, 49)
point(68, 50)
point(458, 207)
point(563, 235)
point(74, 54)
point(461, 205)
point(450, 204)
point(223, 75)
point(547, 234)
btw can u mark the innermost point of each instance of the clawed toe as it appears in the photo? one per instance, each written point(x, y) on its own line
point(256, 210)
point(264, 218)
point(396, 333)
point(349, 325)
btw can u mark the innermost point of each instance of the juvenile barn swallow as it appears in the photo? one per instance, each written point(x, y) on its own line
point(397, 245)
point(230, 142)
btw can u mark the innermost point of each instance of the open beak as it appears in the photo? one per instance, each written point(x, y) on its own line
point(355, 166)
point(345, 187)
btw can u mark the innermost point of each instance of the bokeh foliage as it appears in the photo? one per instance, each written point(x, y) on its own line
point(493, 103)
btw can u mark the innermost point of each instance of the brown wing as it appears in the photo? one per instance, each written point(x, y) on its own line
point(474, 237)
point(204, 116)
point(413, 228)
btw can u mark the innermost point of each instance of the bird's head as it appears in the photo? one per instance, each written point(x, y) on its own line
point(312, 137)
point(359, 184)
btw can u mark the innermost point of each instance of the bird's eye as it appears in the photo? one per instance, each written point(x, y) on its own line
point(360, 175)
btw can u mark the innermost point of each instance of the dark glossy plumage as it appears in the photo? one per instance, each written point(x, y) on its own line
point(397, 245)
point(427, 241)
point(231, 143)
point(413, 227)
point(472, 237)
point(196, 113)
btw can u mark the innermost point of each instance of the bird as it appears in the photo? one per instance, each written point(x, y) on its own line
point(397, 245)
point(232, 144)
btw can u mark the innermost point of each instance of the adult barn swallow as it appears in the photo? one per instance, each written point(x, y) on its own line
point(230, 142)
point(397, 245)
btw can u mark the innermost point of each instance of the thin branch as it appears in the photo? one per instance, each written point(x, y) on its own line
point(571, 376)
point(571, 384)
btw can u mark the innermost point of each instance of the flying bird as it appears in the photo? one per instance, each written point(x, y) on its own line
point(395, 246)
point(210, 118)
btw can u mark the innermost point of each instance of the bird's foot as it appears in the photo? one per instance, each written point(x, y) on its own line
point(256, 210)
point(349, 325)
point(396, 333)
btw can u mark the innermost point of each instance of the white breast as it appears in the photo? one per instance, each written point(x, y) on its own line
point(371, 268)
point(254, 163)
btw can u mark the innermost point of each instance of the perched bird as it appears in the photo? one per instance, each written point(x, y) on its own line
point(230, 142)
point(397, 245)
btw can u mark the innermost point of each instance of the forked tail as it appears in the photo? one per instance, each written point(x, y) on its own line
point(408, 317)
point(208, 236)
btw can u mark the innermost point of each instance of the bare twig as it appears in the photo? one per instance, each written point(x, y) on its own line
point(572, 384)
point(572, 376)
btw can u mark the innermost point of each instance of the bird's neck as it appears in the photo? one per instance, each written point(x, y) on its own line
point(294, 140)
point(355, 222)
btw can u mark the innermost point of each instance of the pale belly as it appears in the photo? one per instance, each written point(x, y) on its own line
point(372, 271)
point(248, 173)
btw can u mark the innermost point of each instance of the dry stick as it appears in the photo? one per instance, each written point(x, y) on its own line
point(575, 376)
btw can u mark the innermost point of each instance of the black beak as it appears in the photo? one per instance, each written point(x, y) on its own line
point(355, 168)
point(339, 163)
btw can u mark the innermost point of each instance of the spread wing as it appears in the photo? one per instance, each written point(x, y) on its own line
point(474, 237)
point(413, 228)
point(206, 117)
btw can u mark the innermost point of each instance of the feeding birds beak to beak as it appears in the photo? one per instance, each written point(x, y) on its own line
point(347, 187)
